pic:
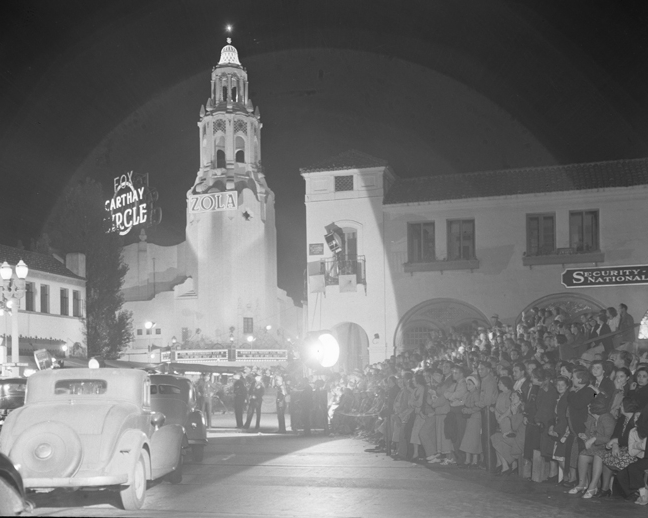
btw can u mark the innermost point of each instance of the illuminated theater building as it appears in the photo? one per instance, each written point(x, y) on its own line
point(390, 259)
point(219, 286)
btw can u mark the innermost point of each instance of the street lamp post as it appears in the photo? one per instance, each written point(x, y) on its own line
point(149, 330)
point(13, 289)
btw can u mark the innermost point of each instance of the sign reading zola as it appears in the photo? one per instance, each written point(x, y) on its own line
point(127, 207)
point(608, 276)
point(213, 201)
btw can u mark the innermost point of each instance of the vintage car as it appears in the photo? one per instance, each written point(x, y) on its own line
point(175, 397)
point(92, 428)
point(12, 396)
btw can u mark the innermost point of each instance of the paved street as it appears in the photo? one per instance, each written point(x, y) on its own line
point(262, 475)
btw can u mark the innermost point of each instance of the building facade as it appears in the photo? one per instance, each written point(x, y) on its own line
point(52, 310)
point(219, 286)
point(391, 259)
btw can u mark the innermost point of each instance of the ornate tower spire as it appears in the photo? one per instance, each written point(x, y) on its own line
point(230, 129)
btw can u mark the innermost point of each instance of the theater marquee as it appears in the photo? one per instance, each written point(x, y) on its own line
point(605, 276)
point(214, 201)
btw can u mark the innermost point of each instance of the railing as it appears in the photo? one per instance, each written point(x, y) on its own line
point(333, 268)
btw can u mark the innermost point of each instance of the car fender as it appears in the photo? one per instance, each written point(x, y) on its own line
point(195, 428)
point(166, 449)
point(127, 452)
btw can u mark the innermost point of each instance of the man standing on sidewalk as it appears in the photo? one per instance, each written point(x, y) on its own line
point(254, 404)
point(281, 404)
point(240, 395)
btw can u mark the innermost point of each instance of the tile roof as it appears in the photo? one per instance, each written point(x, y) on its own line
point(572, 177)
point(351, 159)
point(35, 261)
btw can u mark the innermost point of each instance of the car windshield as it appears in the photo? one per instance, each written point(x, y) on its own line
point(164, 389)
point(83, 387)
point(12, 394)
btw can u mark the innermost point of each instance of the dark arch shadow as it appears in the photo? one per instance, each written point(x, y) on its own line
point(572, 304)
point(442, 313)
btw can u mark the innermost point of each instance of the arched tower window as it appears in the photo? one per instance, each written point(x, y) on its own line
point(240, 149)
point(234, 96)
point(225, 93)
point(220, 159)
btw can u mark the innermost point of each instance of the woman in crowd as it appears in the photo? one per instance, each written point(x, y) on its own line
point(420, 410)
point(545, 411)
point(455, 424)
point(441, 408)
point(503, 403)
point(622, 378)
point(631, 478)
point(580, 396)
point(510, 445)
point(639, 389)
point(598, 431)
point(559, 429)
point(566, 370)
point(615, 457)
point(601, 379)
point(471, 440)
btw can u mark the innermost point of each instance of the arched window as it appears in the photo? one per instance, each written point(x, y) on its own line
point(234, 96)
point(220, 159)
point(417, 336)
point(239, 146)
point(224, 93)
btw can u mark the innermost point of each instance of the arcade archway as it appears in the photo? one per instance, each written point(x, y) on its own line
point(434, 314)
point(354, 346)
point(571, 304)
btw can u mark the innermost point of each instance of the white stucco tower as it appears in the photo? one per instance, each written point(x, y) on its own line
point(235, 270)
point(224, 275)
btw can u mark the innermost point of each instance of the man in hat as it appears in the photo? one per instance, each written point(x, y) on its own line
point(254, 403)
point(240, 395)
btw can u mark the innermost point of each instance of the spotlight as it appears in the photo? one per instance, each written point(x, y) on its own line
point(321, 349)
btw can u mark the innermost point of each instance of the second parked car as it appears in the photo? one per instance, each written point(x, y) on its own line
point(175, 397)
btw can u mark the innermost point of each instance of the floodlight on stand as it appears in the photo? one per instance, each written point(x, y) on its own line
point(321, 349)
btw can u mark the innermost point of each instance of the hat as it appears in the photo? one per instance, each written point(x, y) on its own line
point(474, 380)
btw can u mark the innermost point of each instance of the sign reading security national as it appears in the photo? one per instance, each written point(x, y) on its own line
point(213, 201)
point(606, 276)
point(127, 207)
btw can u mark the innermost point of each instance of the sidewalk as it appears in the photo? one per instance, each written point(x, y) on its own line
point(226, 424)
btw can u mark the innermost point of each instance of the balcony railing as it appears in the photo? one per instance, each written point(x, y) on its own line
point(546, 255)
point(333, 268)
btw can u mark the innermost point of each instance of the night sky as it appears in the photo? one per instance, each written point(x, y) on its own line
point(91, 88)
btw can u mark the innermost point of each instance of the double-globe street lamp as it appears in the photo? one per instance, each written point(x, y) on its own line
point(13, 289)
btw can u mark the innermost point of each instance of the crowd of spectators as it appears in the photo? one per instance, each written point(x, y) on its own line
point(500, 397)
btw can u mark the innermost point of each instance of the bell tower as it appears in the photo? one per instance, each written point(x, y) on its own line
point(231, 231)
point(230, 126)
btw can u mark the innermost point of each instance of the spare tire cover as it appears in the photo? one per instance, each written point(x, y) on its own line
point(48, 450)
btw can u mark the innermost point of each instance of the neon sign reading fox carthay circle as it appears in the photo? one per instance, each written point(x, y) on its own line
point(127, 207)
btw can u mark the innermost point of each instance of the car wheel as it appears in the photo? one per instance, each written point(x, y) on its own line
point(175, 477)
point(198, 452)
point(133, 496)
point(47, 450)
